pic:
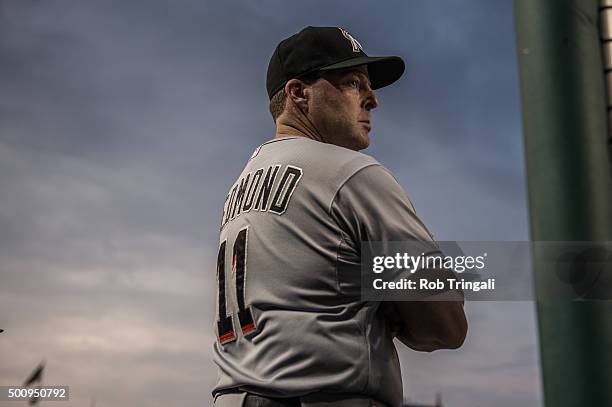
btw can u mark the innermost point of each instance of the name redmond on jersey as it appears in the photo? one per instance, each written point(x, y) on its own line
point(259, 191)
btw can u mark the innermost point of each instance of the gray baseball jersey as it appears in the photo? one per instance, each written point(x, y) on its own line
point(290, 320)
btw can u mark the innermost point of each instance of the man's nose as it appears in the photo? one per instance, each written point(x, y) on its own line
point(370, 99)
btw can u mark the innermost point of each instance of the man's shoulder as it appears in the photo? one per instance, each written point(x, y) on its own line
point(322, 167)
point(315, 154)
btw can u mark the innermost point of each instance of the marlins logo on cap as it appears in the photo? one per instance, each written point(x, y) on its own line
point(356, 45)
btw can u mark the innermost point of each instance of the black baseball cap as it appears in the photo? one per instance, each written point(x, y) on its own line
point(325, 48)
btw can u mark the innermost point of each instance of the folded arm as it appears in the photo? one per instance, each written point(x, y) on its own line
point(430, 325)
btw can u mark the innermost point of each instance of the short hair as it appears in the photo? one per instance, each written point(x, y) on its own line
point(278, 100)
point(277, 103)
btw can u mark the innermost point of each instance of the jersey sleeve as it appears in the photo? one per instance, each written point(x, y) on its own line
point(372, 206)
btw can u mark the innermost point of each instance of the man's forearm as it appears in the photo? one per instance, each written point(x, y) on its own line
point(432, 325)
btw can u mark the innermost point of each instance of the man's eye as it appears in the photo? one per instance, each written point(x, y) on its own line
point(355, 83)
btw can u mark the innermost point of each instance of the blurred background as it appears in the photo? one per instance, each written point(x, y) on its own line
point(123, 125)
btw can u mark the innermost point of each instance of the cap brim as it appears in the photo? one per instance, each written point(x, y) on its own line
point(383, 71)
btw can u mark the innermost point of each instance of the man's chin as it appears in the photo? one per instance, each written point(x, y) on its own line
point(363, 142)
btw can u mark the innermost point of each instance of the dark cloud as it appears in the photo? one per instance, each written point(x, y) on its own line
point(122, 124)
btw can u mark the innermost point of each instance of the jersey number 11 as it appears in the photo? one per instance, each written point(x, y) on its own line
point(225, 324)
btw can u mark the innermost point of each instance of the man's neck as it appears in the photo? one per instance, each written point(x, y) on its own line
point(295, 127)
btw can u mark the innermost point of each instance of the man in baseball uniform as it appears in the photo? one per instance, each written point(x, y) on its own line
point(292, 329)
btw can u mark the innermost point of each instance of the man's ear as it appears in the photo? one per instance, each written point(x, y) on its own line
point(295, 90)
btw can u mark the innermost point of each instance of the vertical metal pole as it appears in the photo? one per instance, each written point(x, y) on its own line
point(605, 23)
point(569, 181)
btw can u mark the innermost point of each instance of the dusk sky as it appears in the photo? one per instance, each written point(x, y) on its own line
point(124, 123)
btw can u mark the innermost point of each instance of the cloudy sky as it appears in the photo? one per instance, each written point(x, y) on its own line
point(123, 124)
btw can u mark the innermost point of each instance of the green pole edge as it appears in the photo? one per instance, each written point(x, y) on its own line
point(569, 183)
